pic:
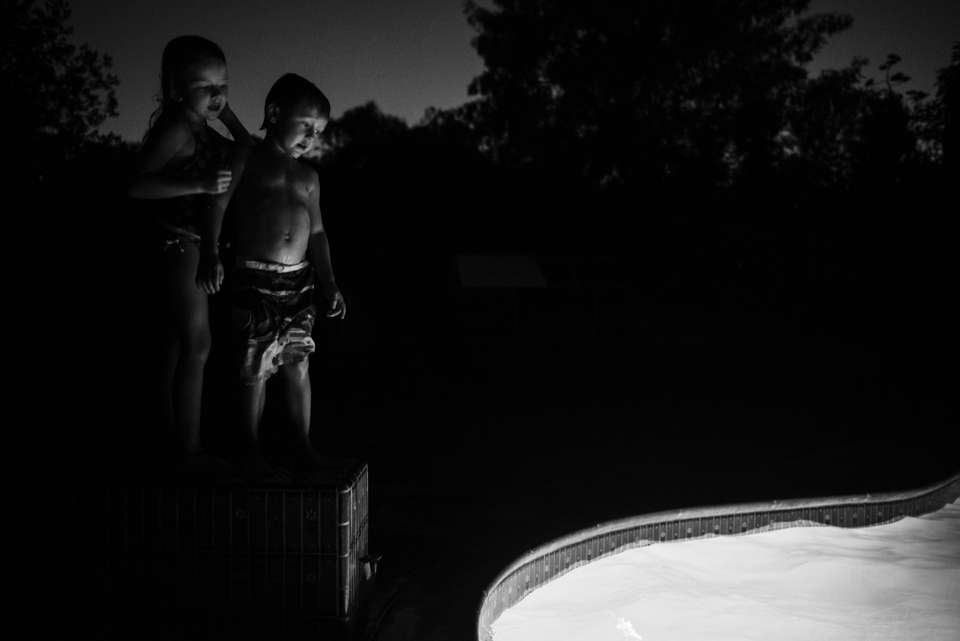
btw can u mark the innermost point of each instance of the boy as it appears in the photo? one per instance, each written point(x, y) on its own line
point(280, 242)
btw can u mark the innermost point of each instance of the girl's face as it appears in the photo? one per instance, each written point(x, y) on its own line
point(203, 89)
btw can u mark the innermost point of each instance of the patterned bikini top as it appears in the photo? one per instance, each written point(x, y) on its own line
point(185, 212)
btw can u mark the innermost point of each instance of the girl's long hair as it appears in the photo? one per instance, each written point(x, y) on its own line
point(180, 53)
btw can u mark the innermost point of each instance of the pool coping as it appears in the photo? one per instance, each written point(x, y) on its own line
point(547, 562)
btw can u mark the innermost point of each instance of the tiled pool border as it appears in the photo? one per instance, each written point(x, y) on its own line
point(554, 559)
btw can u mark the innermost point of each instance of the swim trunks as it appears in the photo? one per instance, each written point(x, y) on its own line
point(273, 314)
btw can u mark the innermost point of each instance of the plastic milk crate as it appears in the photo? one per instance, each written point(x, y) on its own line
point(277, 558)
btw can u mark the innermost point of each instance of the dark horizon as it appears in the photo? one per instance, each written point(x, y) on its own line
point(408, 56)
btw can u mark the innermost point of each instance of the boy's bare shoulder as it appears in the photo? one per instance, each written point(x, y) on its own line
point(238, 155)
point(254, 159)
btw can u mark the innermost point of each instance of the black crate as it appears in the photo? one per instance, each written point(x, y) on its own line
point(279, 558)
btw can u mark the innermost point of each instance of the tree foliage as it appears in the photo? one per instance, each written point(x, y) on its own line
point(634, 91)
point(844, 128)
point(946, 112)
point(360, 127)
point(56, 93)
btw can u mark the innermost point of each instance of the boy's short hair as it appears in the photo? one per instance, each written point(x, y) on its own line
point(289, 90)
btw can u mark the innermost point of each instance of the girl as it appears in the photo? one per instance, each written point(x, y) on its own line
point(180, 170)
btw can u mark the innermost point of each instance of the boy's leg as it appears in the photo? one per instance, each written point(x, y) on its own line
point(297, 391)
point(252, 397)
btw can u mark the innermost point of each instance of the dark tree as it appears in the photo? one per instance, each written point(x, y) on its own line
point(393, 192)
point(359, 128)
point(56, 94)
point(629, 92)
point(822, 129)
point(359, 167)
point(948, 97)
point(67, 178)
point(61, 187)
point(844, 129)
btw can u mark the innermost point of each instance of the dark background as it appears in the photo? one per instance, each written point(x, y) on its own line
point(740, 256)
point(750, 274)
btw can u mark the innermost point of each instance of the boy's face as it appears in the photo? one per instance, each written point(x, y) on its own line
point(297, 129)
point(204, 89)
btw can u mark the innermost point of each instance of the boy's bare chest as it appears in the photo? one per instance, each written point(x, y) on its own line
point(276, 183)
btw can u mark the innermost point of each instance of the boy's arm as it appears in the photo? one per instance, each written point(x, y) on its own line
point(318, 252)
point(161, 147)
point(240, 134)
point(210, 269)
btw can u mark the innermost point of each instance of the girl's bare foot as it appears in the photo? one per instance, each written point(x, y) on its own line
point(252, 463)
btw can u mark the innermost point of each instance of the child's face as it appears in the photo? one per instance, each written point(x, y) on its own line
point(298, 128)
point(204, 89)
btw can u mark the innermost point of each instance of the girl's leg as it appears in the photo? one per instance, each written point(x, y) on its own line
point(187, 309)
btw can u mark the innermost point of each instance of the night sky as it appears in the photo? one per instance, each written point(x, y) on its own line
point(408, 55)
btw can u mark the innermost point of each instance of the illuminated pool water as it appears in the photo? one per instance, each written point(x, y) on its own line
point(899, 580)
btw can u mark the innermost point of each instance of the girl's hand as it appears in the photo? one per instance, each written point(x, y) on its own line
point(216, 183)
point(226, 114)
point(235, 127)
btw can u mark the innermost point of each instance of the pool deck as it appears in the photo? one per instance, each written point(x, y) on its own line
point(473, 462)
point(448, 519)
point(442, 547)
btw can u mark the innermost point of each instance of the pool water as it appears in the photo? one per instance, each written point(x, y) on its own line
point(895, 581)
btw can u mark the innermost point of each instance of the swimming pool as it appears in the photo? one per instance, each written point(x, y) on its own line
point(698, 526)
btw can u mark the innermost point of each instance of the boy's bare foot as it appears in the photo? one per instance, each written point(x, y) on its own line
point(306, 457)
point(202, 465)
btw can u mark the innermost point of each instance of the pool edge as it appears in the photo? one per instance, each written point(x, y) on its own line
point(551, 560)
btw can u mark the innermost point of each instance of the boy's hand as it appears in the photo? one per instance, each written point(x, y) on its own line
point(337, 305)
point(209, 273)
point(216, 183)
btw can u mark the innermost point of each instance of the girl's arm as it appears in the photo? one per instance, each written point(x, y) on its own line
point(235, 127)
point(210, 269)
point(172, 141)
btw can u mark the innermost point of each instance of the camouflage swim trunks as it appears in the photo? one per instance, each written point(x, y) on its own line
point(273, 314)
